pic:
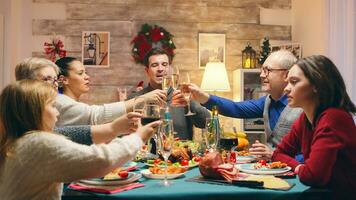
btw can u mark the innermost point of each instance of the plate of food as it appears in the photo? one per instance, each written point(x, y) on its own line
point(184, 163)
point(244, 156)
point(111, 179)
point(158, 172)
point(262, 167)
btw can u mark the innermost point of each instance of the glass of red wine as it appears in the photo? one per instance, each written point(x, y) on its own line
point(229, 146)
point(151, 113)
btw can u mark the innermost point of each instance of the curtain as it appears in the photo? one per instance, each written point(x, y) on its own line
point(341, 40)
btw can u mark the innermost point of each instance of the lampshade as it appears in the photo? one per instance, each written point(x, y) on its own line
point(215, 78)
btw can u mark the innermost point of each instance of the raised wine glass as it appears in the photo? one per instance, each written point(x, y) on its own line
point(166, 140)
point(151, 113)
point(184, 81)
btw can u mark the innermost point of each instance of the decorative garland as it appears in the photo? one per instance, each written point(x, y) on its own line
point(150, 37)
point(53, 48)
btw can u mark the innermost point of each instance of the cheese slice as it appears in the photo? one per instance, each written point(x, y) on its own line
point(270, 182)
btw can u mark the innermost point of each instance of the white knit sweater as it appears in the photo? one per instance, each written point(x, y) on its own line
point(40, 162)
point(77, 113)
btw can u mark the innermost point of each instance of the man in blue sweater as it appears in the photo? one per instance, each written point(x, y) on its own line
point(278, 116)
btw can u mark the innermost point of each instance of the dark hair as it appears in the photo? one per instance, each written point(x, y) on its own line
point(156, 51)
point(64, 65)
point(329, 84)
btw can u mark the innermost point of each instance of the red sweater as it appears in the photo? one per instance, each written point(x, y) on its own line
point(329, 150)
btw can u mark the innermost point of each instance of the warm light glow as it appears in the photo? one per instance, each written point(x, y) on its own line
point(215, 77)
point(248, 63)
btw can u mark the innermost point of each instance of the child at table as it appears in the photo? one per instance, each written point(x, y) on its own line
point(325, 133)
point(34, 162)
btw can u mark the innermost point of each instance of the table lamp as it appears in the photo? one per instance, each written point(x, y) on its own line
point(215, 77)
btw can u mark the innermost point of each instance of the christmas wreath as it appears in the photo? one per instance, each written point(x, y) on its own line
point(150, 37)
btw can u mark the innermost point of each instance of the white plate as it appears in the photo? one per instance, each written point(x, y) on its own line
point(191, 165)
point(132, 177)
point(248, 168)
point(148, 174)
point(245, 158)
point(129, 164)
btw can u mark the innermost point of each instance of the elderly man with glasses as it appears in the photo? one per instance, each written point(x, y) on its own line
point(278, 116)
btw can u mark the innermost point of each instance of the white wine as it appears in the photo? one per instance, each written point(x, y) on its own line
point(170, 81)
point(175, 79)
point(167, 82)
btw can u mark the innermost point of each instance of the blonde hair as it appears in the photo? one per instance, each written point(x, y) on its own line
point(30, 67)
point(21, 107)
point(284, 58)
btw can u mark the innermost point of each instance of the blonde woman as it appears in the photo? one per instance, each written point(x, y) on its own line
point(45, 70)
point(74, 83)
point(34, 162)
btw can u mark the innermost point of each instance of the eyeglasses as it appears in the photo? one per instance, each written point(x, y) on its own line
point(50, 80)
point(267, 70)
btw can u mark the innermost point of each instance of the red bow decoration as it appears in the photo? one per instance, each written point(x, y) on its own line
point(151, 37)
point(54, 48)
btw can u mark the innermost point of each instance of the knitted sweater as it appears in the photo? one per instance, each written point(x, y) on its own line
point(77, 113)
point(79, 134)
point(40, 162)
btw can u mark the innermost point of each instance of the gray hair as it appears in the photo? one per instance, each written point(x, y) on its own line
point(284, 58)
point(30, 67)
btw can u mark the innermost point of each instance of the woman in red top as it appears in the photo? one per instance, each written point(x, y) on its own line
point(325, 133)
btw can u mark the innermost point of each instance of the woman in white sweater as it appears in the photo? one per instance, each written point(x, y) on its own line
point(34, 162)
point(75, 82)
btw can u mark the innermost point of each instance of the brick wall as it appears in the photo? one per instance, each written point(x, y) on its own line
point(238, 19)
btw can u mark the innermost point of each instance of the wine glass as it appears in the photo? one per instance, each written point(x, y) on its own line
point(166, 140)
point(151, 113)
point(184, 81)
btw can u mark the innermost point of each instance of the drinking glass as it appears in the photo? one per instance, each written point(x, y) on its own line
point(184, 81)
point(151, 113)
point(166, 142)
point(209, 135)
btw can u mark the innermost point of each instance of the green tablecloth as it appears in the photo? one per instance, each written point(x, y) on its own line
point(181, 189)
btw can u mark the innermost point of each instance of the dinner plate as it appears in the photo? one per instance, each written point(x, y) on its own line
point(248, 168)
point(129, 164)
point(245, 159)
point(132, 177)
point(148, 174)
point(191, 165)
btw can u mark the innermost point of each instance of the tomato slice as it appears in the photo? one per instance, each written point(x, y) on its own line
point(184, 162)
point(197, 159)
point(123, 174)
point(157, 161)
point(263, 162)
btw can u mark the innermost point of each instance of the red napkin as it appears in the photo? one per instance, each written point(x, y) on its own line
point(105, 189)
point(129, 169)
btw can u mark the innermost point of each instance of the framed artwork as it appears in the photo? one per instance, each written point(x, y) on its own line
point(295, 48)
point(96, 48)
point(211, 47)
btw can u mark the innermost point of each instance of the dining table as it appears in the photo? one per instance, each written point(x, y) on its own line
point(183, 189)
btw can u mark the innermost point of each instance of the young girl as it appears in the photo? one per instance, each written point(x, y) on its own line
point(35, 162)
point(325, 133)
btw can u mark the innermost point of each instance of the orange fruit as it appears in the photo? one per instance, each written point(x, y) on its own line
point(243, 143)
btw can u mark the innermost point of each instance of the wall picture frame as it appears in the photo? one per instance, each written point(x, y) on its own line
point(96, 48)
point(211, 47)
point(295, 48)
